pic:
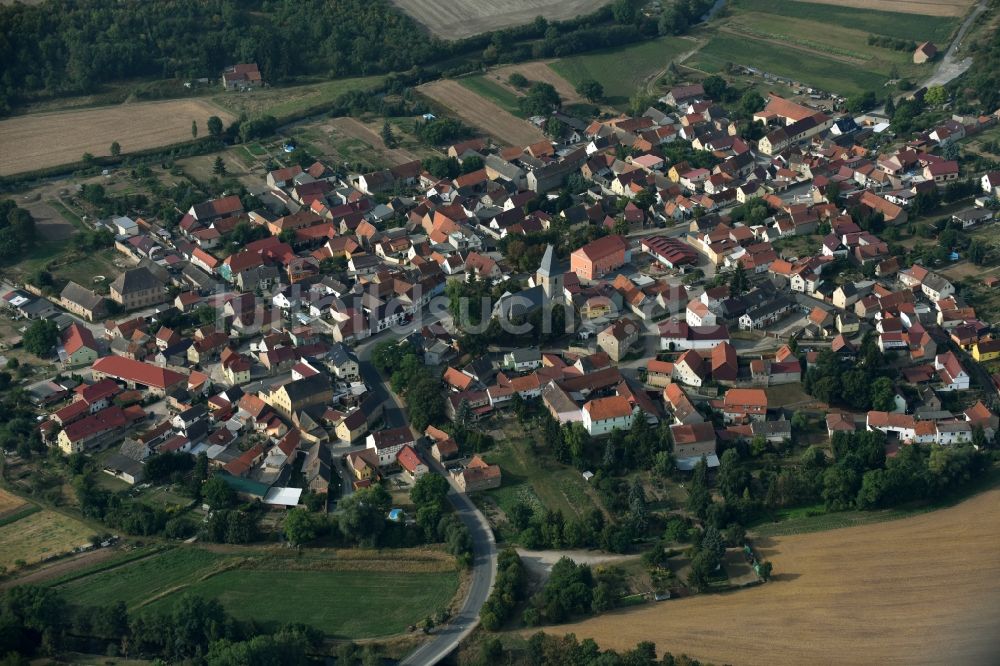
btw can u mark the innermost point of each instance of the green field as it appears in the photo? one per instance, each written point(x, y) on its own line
point(893, 24)
point(798, 65)
point(343, 604)
point(274, 588)
point(282, 102)
point(622, 70)
point(494, 92)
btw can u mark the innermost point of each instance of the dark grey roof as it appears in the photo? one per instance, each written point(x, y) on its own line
point(81, 296)
point(303, 388)
point(135, 280)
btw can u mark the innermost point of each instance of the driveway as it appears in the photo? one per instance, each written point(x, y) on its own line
point(951, 67)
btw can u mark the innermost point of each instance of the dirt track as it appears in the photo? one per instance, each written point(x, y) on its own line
point(463, 18)
point(926, 7)
point(482, 113)
point(922, 590)
point(40, 140)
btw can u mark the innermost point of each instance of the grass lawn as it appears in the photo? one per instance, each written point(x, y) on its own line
point(284, 101)
point(893, 24)
point(537, 480)
point(343, 604)
point(37, 536)
point(502, 97)
point(83, 269)
point(797, 65)
point(622, 70)
point(67, 214)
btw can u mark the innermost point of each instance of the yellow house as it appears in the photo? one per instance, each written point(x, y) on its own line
point(986, 350)
point(363, 464)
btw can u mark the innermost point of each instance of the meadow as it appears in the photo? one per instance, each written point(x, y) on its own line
point(338, 593)
point(622, 70)
point(37, 536)
point(291, 100)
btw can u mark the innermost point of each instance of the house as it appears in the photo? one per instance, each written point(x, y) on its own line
point(740, 405)
point(990, 183)
point(138, 288)
point(602, 415)
point(618, 338)
point(93, 431)
point(970, 217)
point(692, 442)
point(127, 463)
point(477, 475)
point(388, 443)
point(364, 466)
point(951, 373)
point(78, 346)
point(242, 76)
point(444, 446)
point(410, 462)
point(297, 395)
point(600, 257)
point(82, 302)
point(135, 374)
point(523, 360)
point(924, 52)
point(986, 350)
point(690, 369)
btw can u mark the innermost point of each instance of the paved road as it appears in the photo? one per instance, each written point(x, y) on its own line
point(484, 569)
point(484, 563)
point(950, 67)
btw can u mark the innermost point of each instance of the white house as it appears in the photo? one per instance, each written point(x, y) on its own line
point(388, 443)
point(602, 415)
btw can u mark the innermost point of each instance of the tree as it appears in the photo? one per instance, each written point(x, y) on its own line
point(890, 107)
point(116, 149)
point(590, 89)
point(218, 494)
point(430, 490)
point(715, 87)
point(300, 526)
point(194, 129)
point(219, 167)
point(518, 80)
point(738, 281)
point(883, 395)
point(214, 125)
point(41, 337)
point(698, 494)
point(935, 96)
point(541, 99)
point(555, 128)
point(388, 138)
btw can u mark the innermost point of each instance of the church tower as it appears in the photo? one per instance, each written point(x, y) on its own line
point(549, 276)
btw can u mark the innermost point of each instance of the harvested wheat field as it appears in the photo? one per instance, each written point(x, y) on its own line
point(482, 113)
point(926, 7)
point(457, 19)
point(921, 590)
point(40, 140)
point(536, 71)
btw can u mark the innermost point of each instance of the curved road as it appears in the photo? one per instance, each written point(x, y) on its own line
point(484, 562)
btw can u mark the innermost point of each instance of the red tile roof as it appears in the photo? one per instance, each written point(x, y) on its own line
point(137, 372)
point(75, 337)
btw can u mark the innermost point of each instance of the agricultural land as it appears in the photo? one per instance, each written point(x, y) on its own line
point(464, 18)
point(43, 140)
point(916, 590)
point(482, 113)
point(320, 589)
point(31, 536)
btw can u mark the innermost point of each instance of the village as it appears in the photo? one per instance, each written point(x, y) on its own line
point(657, 272)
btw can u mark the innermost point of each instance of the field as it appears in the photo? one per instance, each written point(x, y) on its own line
point(9, 503)
point(488, 87)
point(40, 535)
point(482, 113)
point(347, 594)
point(925, 7)
point(878, 17)
point(43, 140)
point(798, 65)
point(284, 101)
point(464, 18)
point(622, 70)
point(536, 71)
point(922, 590)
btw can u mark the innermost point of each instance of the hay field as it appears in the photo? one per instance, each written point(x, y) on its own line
point(921, 590)
point(482, 113)
point(463, 18)
point(536, 71)
point(9, 503)
point(925, 7)
point(40, 140)
point(39, 536)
